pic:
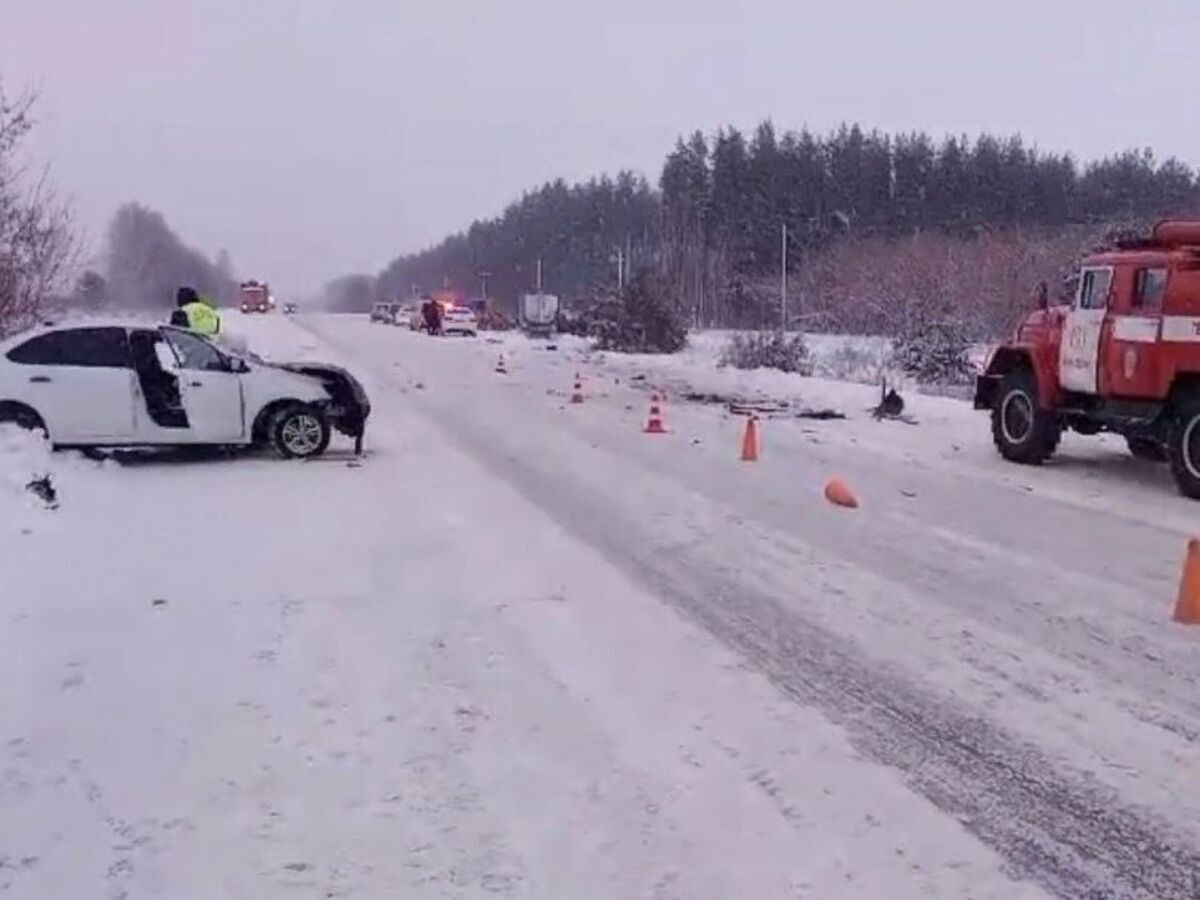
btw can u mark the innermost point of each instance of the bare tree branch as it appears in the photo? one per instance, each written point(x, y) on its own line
point(37, 237)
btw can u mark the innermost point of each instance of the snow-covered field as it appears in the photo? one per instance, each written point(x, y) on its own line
point(523, 649)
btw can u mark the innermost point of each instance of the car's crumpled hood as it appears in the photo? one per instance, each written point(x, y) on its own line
point(346, 390)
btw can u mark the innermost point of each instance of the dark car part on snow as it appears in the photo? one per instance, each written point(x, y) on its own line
point(43, 488)
point(891, 404)
point(825, 414)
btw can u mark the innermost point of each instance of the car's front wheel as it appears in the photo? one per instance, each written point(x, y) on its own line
point(299, 432)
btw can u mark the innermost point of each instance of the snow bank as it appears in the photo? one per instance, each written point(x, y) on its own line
point(83, 490)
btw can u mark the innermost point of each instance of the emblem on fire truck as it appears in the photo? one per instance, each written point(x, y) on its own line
point(1131, 361)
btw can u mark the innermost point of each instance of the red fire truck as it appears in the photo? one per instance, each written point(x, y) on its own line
point(1123, 356)
point(255, 297)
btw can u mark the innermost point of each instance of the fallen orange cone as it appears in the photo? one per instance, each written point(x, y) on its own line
point(655, 423)
point(577, 391)
point(1187, 607)
point(750, 440)
point(838, 493)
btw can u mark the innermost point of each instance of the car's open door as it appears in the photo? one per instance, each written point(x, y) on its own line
point(212, 392)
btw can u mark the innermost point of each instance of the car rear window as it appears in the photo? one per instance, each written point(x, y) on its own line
point(95, 348)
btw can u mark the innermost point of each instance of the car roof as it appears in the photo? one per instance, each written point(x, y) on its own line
point(70, 324)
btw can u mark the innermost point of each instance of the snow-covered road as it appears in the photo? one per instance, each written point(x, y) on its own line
point(525, 650)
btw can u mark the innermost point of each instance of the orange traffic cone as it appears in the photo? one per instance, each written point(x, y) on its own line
point(838, 493)
point(501, 366)
point(1187, 607)
point(655, 424)
point(750, 440)
point(577, 391)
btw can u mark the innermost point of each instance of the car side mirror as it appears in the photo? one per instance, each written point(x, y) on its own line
point(166, 357)
point(238, 366)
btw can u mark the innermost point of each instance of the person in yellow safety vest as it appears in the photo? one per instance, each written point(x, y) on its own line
point(196, 313)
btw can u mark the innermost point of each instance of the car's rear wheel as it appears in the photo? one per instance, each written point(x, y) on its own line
point(1023, 432)
point(299, 432)
point(23, 417)
point(1184, 448)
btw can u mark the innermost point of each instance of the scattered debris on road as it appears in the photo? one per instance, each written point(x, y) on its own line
point(838, 493)
point(43, 488)
point(825, 414)
point(891, 406)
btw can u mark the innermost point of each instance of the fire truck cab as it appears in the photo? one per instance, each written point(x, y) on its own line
point(255, 297)
point(1123, 356)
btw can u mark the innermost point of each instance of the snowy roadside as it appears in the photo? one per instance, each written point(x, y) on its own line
point(945, 432)
point(373, 683)
point(26, 458)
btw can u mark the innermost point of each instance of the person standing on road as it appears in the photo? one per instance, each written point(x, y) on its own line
point(195, 313)
point(431, 310)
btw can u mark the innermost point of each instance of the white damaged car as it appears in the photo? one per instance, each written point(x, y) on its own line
point(137, 385)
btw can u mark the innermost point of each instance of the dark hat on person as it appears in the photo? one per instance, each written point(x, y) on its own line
point(186, 295)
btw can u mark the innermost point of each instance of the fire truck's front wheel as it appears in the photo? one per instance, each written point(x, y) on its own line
point(1022, 430)
point(1185, 448)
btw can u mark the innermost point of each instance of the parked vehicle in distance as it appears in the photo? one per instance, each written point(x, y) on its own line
point(538, 313)
point(404, 315)
point(460, 320)
point(384, 312)
point(290, 309)
point(133, 385)
point(1123, 356)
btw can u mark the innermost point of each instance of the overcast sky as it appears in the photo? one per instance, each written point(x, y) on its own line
point(318, 137)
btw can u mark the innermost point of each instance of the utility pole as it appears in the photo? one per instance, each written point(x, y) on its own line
point(620, 269)
point(783, 304)
point(539, 275)
point(483, 278)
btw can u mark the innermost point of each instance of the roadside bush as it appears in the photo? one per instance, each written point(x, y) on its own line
point(768, 350)
point(860, 361)
point(645, 318)
point(935, 353)
point(579, 319)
